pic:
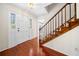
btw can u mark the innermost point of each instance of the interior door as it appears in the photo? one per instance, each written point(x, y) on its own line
point(22, 28)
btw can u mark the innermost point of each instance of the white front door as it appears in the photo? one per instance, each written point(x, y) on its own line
point(22, 28)
point(12, 29)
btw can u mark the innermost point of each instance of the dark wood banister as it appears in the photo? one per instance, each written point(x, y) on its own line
point(54, 15)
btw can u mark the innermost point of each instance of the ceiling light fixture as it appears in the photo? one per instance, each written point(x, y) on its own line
point(30, 5)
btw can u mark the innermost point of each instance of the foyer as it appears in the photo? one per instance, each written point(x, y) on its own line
point(39, 29)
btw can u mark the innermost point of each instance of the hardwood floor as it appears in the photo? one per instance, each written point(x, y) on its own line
point(28, 48)
point(51, 52)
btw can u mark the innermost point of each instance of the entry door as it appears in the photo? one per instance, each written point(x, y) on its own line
point(22, 28)
point(12, 29)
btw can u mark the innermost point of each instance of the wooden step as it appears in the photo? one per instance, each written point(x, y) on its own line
point(58, 33)
point(74, 23)
point(64, 29)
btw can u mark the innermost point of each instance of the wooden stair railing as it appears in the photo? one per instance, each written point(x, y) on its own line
point(63, 21)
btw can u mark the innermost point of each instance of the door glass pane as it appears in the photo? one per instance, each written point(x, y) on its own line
point(13, 17)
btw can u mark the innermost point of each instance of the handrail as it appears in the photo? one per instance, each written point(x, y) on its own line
point(54, 15)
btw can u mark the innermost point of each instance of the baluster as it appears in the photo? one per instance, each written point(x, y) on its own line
point(53, 26)
point(65, 16)
point(39, 37)
point(75, 10)
point(70, 16)
point(58, 21)
point(50, 28)
point(43, 33)
point(46, 30)
point(70, 11)
point(62, 17)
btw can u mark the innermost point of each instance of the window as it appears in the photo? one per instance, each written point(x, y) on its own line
point(13, 17)
point(30, 23)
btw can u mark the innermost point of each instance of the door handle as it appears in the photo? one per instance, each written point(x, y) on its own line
point(18, 29)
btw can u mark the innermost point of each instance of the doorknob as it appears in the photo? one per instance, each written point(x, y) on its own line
point(18, 29)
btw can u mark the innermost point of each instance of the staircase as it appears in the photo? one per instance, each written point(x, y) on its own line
point(63, 21)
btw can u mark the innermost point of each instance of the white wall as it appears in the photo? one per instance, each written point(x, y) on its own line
point(10, 37)
point(67, 43)
point(3, 28)
point(53, 12)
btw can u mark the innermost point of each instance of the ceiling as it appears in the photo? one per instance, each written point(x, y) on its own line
point(38, 9)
